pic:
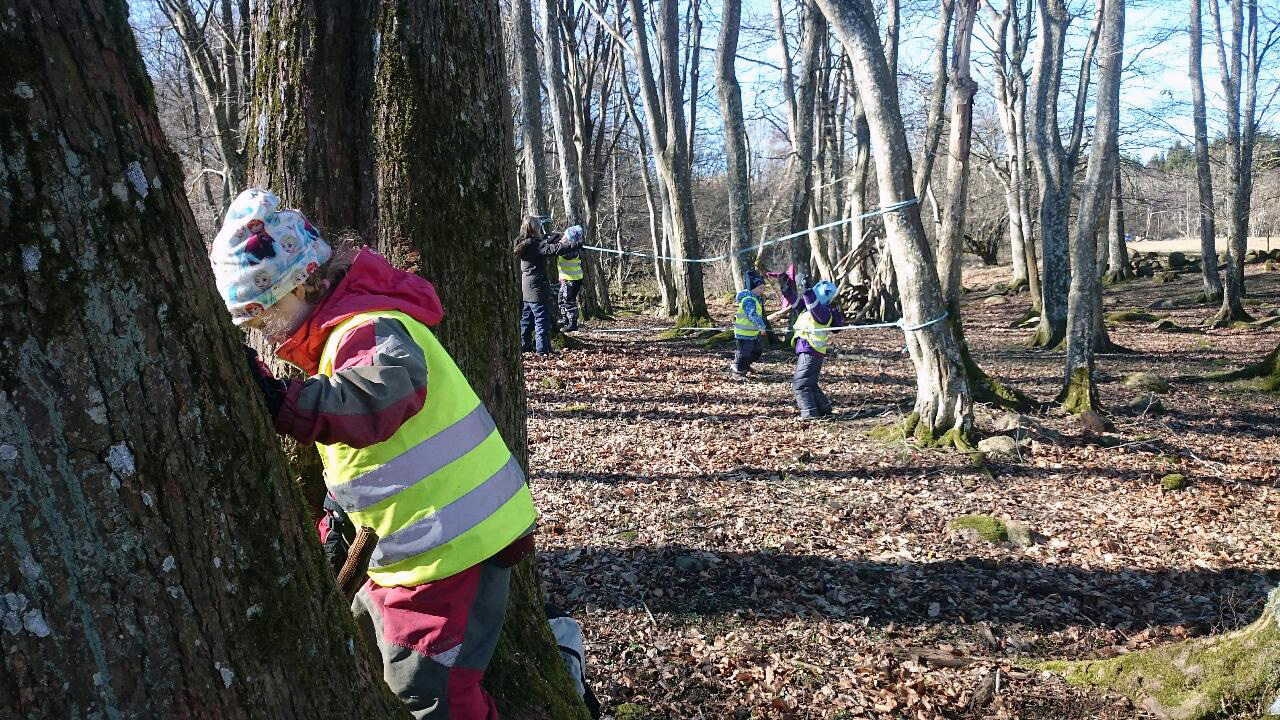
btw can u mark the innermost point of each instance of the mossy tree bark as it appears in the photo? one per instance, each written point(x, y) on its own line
point(1232, 675)
point(157, 561)
point(441, 199)
point(944, 407)
point(1084, 322)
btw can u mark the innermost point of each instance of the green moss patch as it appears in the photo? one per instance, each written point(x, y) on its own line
point(1173, 481)
point(984, 527)
point(1131, 316)
point(1232, 675)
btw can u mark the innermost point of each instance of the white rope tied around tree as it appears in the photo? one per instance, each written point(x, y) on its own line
point(878, 211)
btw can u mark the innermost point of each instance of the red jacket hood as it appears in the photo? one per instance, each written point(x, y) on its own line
point(371, 284)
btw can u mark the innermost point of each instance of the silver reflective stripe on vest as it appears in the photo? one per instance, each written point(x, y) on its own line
point(452, 520)
point(416, 463)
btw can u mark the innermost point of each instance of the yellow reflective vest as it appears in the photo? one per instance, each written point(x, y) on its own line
point(814, 333)
point(443, 493)
point(570, 268)
point(743, 326)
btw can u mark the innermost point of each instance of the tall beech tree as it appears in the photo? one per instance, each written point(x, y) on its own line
point(1084, 312)
point(158, 562)
point(735, 137)
point(439, 198)
point(944, 406)
point(1204, 173)
point(1055, 163)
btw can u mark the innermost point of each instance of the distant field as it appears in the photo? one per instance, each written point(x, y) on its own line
point(1193, 244)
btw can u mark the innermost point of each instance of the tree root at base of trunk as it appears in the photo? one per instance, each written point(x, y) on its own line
point(1231, 675)
point(1046, 339)
point(1227, 318)
point(1267, 370)
point(924, 435)
point(686, 322)
point(987, 389)
point(1080, 394)
point(1018, 285)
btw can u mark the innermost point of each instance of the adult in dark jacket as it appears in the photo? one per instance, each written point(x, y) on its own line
point(537, 316)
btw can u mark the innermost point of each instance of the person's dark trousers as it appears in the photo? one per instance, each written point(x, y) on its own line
point(535, 327)
point(569, 290)
point(810, 399)
point(748, 351)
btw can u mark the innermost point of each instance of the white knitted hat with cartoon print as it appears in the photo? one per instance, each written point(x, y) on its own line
point(262, 253)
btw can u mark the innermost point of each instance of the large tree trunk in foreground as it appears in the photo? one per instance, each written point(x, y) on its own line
point(445, 207)
point(1080, 389)
point(735, 139)
point(157, 561)
point(943, 410)
point(1232, 675)
point(1204, 174)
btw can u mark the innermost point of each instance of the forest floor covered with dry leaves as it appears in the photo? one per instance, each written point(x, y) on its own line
point(727, 560)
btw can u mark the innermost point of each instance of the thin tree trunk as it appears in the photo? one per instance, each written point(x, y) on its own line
point(937, 99)
point(525, 56)
point(1080, 390)
point(943, 408)
point(157, 561)
point(801, 128)
point(1117, 248)
point(437, 195)
point(735, 136)
point(1204, 174)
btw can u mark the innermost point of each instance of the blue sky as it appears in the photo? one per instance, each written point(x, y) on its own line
point(1155, 92)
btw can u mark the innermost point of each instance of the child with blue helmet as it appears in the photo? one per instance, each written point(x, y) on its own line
point(748, 323)
point(812, 340)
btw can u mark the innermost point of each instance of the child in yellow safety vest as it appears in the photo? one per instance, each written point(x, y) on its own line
point(409, 449)
point(569, 263)
point(812, 340)
point(748, 323)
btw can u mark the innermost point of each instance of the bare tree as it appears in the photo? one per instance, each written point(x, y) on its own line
point(735, 138)
point(1055, 163)
point(525, 56)
point(943, 409)
point(1080, 390)
point(1240, 57)
point(216, 40)
point(1204, 173)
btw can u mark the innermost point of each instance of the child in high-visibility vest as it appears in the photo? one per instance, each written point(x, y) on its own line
point(409, 449)
point(569, 263)
point(748, 323)
point(812, 341)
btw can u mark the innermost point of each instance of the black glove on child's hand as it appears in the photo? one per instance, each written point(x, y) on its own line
point(802, 282)
point(273, 390)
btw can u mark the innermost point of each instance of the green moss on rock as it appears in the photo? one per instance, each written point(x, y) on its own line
point(1173, 481)
point(984, 527)
point(1131, 316)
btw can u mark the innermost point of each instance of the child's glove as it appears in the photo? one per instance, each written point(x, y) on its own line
point(272, 389)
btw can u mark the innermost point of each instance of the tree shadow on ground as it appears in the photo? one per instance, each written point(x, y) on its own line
point(684, 581)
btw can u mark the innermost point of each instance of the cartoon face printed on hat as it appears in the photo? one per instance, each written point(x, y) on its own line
point(253, 310)
point(262, 280)
point(300, 277)
point(289, 243)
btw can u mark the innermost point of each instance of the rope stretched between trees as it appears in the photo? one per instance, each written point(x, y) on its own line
point(866, 326)
point(753, 248)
